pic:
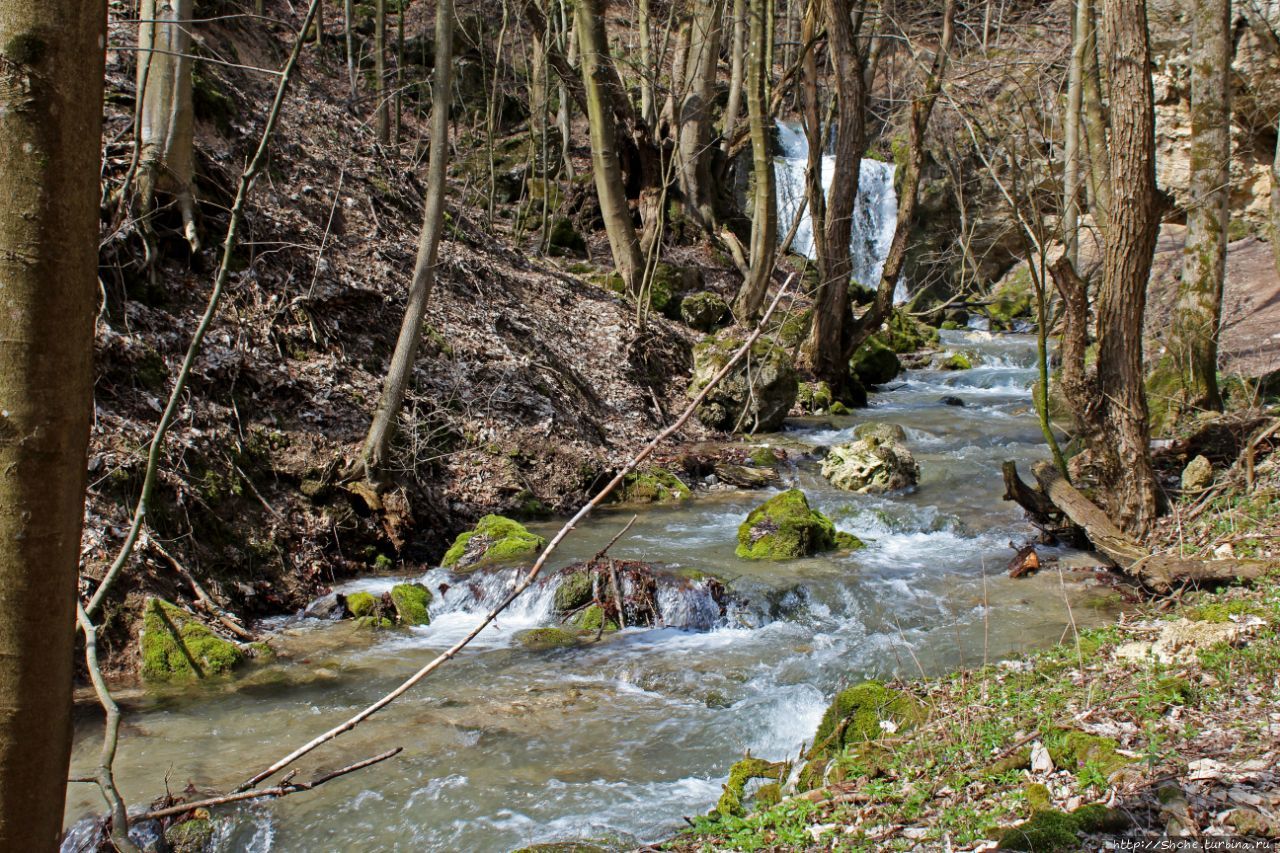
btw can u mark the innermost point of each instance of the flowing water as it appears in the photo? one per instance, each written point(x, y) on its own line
point(616, 740)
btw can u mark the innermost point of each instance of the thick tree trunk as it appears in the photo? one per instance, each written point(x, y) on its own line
point(737, 71)
point(825, 348)
point(1193, 340)
point(597, 77)
point(1113, 407)
point(166, 162)
point(51, 72)
point(764, 206)
point(374, 455)
point(695, 111)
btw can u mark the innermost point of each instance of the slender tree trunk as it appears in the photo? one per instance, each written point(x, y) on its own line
point(826, 345)
point(648, 70)
point(695, 111)
point(679, 65)
point(1071, 134)
point(1275, 203)
point(1120, 443)
point(374, 455)
point(737, 71)
point(1193, 340)
point(381, 120)
point(764, 208)
point(815, 137)
point(1095, 120)
point(166, 121)
point(51, 72)
point(592, 42)
point(348, 19)
point(399, 101)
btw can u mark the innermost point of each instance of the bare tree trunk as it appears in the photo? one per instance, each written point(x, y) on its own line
point(51, 72)
point(1071, 134)
point(592, 42)
point(826, 345)
point(695, 111)
point(679, 64)
point(737, 71)
point(648, 69)
point(1275, 203)
point(1193, 340)
point(375, 452)
point(166, 117)
point(1110, 406)
point(764, 209)
point(1095, 120)
point(815, 137)
point(381, 121)
point(348, 19)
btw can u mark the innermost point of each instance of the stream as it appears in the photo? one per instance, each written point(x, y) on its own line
point(615, 741)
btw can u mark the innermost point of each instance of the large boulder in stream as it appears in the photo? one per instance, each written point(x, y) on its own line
point(757, 393)
point(876, 462)
point(495, 539)
point(874, 363)
point(784, 528)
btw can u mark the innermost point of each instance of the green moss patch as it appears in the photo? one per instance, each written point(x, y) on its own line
point(731, 800)
point(411, 601)
point(859, 714)
point(875, 363)
point(784, 528)
point(1051, 830)
point(656, 485)
point(178, 647)
point(494, 539)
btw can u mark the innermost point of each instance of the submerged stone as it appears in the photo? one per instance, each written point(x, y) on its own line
point(784, 528)
point(494, 539)
point(411, 601)
point(757, 393)
point(177, 646)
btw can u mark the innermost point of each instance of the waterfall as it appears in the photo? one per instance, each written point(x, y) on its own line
point(874, 214)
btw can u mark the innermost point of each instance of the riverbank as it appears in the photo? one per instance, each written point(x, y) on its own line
point(1165, 722)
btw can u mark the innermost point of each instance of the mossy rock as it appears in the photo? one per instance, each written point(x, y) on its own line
point(871, 465)
point(731, 803)
point(573, 591)
point(411, 601)
point(591, 621)
point(703, 311)
point(1051, 830)
point(564, 239)
point(666, 290)
point(855, 716)
point(815, 398)
point(190, 836)
point(1037, 796)
point(1072, 750)
point(362, 604)
point(657, 485)
point(957, 361)
point(882, 431)
point(875, 363)
point(542, 639)
point(757, 393)
point(495, 539)
point(793, 328)
point(848, 542)
point(784, 528)
point(1012, 299)
point(374, 623)
point(178, 647)
point(907, 334)
point(763, 457)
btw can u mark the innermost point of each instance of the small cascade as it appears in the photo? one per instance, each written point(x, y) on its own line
point(874, 215)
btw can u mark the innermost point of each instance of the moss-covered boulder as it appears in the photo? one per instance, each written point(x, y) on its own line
point(573, 590)
point(1072, 750)
point(864, 712)
point(176, 646)
point(904, 333)
point(757, 393)
point(871, 465)
point(362, 604)
point(591, 620)
point(704, 311)
point(731, 802)
point(657, 485)
point(564, 239)
point(881, 431)
point(784, 528)
point(957, 361)
point(875, 363)
point(494, 540)
point(542, 639)
point(1013, 298)
point(1050, 830)
point(191, 836)
point(814, 398)
point(667, 290)
point(411, 601)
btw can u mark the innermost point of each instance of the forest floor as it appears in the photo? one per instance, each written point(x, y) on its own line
point(1167, 722)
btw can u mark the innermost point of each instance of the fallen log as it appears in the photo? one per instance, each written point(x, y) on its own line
point(1159, 571)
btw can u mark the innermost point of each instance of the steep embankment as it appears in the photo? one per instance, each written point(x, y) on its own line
point(531, 382)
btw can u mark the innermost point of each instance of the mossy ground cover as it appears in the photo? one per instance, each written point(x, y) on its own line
point(1118, 727)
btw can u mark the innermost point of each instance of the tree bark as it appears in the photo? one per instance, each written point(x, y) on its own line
point(166, 116)
point(381, 120)
point(1096, 124)
point(737, 72)
point(1275, 203)
point(51, 73)
point(648, 70)
point(695, 111)
point(597, 74)
point(764, 206)
point(348, 23)
point(825, 348)
point(1071, 136)
point(1111, 405)
point(1193, 339)
point(814, 135)
point(375, 452)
